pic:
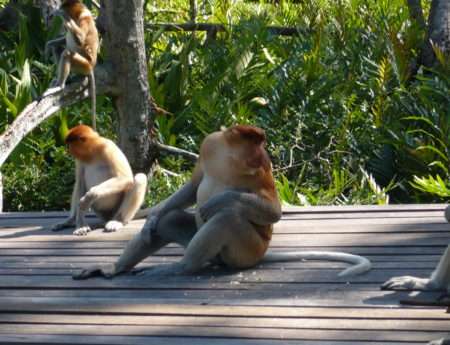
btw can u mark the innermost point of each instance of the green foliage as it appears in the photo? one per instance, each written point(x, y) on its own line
point(433, 185)
point(347, 119)
point(43, 183)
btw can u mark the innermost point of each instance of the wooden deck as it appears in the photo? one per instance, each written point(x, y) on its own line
point(290, 303)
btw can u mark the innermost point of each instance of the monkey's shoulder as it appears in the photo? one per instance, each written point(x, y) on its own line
point(114, 159)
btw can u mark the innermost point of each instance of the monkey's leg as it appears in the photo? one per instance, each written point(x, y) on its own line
point(130, 205)
point(113, 186)
point(256, 209)
point(64, 65)
point(227, 233)
point(439, 279)
point(107, 189)
point(176, 226)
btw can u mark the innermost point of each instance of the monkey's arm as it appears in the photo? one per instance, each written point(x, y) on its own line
point(258, 210)
point(79, 189)
point(78, 32)
point(439, 280)
point(184, 197)
point(181, 199)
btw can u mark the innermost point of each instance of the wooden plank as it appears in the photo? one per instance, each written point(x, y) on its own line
point(218, 279)
point(137, 306)
point(284, 226)
point(303, 227)
point(171, 256)
point(383, 251)
point(283, 240)
point(313, 295)
point(142, 340)
point(286, 209)
point(36, 268)
point(365, 208)
point(274, 321)
point(366, 215)
point(225, 332)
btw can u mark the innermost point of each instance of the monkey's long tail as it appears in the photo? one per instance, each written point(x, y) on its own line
point(361, 264)
point(93, 99)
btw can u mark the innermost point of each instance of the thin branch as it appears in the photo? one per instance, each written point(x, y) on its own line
point(274, 30)
point(177, 151)
point(43, 108)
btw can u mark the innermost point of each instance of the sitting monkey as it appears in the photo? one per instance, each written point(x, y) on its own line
point(103, 181)
point(237, 205)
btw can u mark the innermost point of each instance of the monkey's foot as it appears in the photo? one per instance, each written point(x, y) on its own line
point(82, 231)
point(106, 271)
point(407, 283)
point(113, 225)
point(52, 90)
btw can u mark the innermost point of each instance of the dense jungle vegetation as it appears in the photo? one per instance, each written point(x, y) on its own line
point(350, 117)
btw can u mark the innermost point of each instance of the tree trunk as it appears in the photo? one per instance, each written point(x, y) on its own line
point(47, 8)
point(124, 41)
point(438, 31)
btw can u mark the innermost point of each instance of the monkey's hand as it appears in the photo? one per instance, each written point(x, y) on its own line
point(409, 283)
point(105, 270)
point(87, 199)
point(227, 199)
point(69, 222)
point(69, 24)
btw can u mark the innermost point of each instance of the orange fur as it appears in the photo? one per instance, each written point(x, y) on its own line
point(84, 143)
point(73, 8)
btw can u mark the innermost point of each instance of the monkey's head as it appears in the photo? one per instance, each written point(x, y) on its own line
point(247, 143)
point(71, 8)
point(81, 142)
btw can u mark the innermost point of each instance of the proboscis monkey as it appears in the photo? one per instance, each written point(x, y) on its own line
point(438, 281)
point(237, 205)
point(104, 182)
point(80, 54)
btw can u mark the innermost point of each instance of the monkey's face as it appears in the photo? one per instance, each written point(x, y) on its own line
point(247, 147)
point(78, 148)
point(81, 141)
